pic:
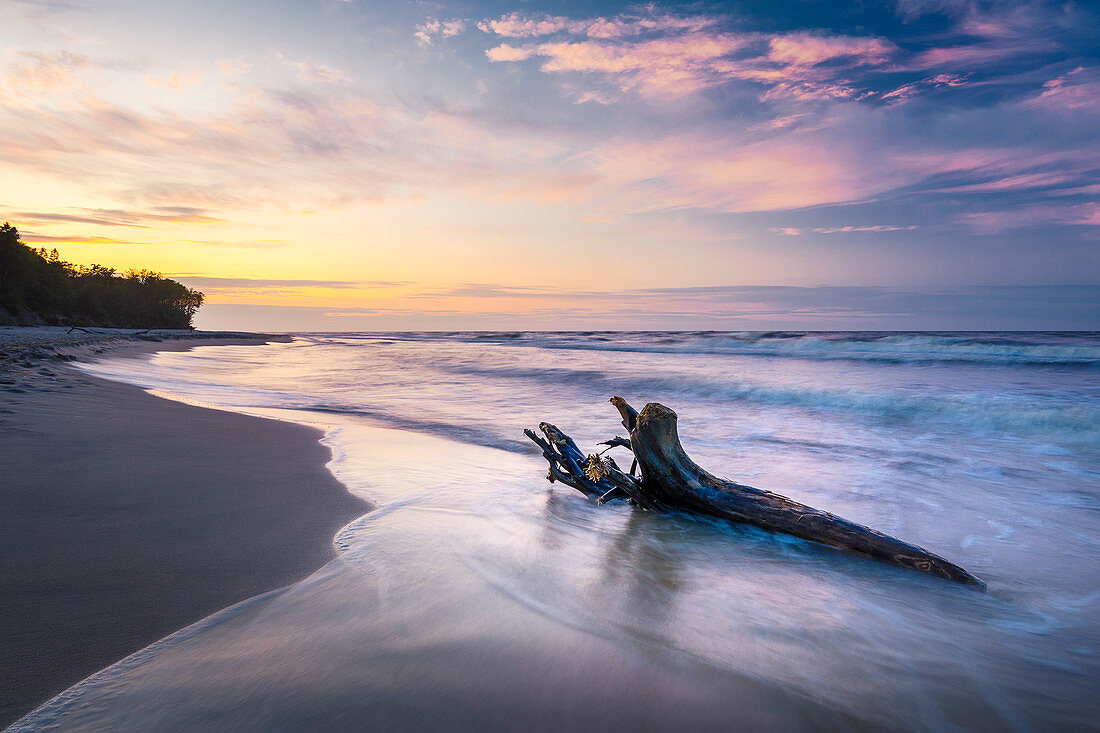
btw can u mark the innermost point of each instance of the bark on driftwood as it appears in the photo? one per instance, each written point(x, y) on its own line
point(669, 479)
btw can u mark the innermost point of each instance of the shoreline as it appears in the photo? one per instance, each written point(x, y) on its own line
point(27, 347)
point(126, 517)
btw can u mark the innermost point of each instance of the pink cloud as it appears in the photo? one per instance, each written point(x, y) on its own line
point(779, 123)
point(1005, 169)
point(687, 62)
point(660, 66)
point(834, 162)
point(993, 222)
point(519, 25)
point(969, 56)
point(232, 69)
point(988, 27)
point(840, 158)
point(872, 228)
point(321, 73)
point(807, 90)
point(1002, 31)
point(435, 27)
point(1018, 182)
point(917, 87)
point(805, 49)
point(671, 56)
point(1078, 90)
point(712, 170)
point(351, 149)
point(340, 145)
point(664, 55)
point(504, 52)
point(972, 161)
point(30, 74)
point(592, 95)
point(32, 238)
point(794, 232)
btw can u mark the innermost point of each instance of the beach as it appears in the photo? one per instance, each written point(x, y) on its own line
point(478, 596)
point(125, 517)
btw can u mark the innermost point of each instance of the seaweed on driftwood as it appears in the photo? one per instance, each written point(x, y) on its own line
point(662, 476)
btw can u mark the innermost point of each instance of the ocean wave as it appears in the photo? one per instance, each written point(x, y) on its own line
point(991, 411)
point(385, 378)
point(1067, 349)
point(471, 434)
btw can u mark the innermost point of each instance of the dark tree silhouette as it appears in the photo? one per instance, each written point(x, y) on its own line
point(38, 287)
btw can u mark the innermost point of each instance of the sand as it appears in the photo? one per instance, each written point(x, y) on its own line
point(125, 517)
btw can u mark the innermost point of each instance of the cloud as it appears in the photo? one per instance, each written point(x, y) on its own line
point(40, 217)
point(434, 27)
point(913, 9)
point(231, 70)
point(778, 123)
point(842, 154)
point(807, 49)
point(987, 36)
point(694, 116)
point(520, 25)
point(341, 144)
point(872, 228)
point(346, 147)
point(33, 238)
point(242, 283)
point(914, 88)
point(1040, 215)
point(709, 168)
point(668, 55)
point(30, 74)
point(121, 217)
point(174, 81)
point(794, 231)
point(1076, 91)
point(1016, 182)
point(323, 73)
point(504, 52)
point(693, 59)
point(495, 290)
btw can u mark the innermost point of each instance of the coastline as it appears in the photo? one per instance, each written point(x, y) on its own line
point(479, 596)
point(125, 517)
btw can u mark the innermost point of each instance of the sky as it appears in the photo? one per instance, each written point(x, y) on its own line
point(333, 165)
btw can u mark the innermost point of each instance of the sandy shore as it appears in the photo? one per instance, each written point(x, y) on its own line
point(124, 517)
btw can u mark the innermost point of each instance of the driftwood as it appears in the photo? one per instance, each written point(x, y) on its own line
point(668, 479)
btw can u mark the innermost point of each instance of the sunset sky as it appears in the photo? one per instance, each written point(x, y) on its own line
point(365, 164)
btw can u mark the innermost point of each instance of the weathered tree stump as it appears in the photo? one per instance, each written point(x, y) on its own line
point(668, 479)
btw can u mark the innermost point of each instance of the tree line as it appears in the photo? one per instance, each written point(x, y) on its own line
point(38, 287)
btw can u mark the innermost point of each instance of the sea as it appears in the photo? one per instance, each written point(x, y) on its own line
point(478, 595)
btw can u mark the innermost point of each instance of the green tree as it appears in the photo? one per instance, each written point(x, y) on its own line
point(37, 286)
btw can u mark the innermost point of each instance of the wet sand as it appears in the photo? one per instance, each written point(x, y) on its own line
point(125, 517)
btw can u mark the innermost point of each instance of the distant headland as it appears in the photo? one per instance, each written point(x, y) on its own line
point(38, 288)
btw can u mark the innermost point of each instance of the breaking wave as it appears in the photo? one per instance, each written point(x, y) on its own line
point(1071, 349)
